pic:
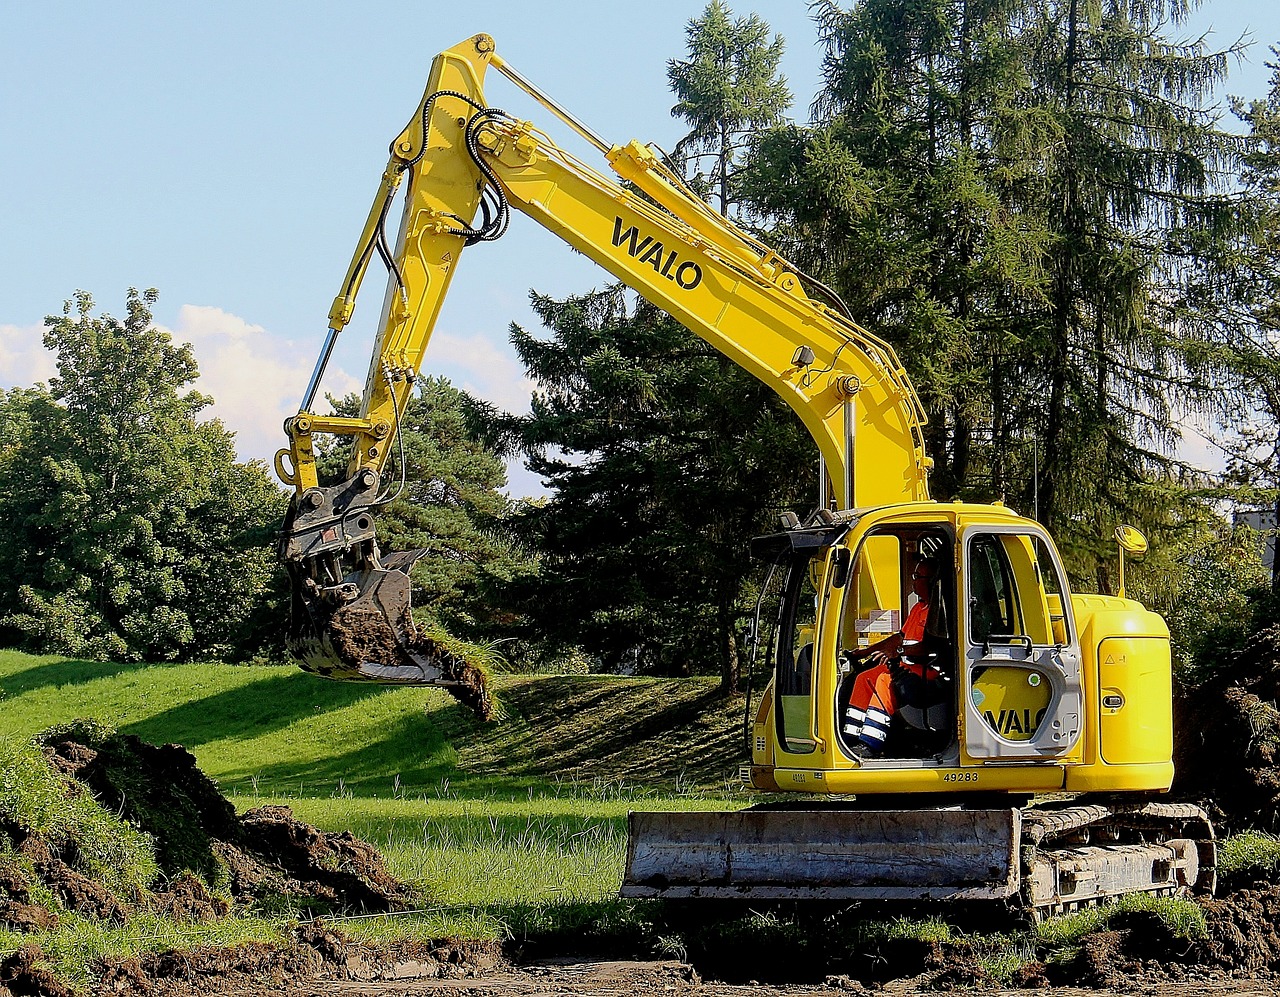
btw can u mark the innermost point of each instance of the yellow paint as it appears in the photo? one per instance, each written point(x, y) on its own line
point(1135, 689)
point(1012, 701)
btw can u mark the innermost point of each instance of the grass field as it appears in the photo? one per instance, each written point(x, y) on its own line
point(512, 830)
point(504, 827)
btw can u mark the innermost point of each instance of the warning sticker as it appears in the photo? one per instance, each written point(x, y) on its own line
point(881, 621)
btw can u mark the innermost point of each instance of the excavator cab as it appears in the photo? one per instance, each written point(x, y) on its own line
point(875, 605)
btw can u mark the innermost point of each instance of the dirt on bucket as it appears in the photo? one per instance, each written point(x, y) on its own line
point(360, 635)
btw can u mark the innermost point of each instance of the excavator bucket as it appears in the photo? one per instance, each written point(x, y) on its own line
point(351, 618)
point(366, 634)
point(782, 854)
point(370, 638)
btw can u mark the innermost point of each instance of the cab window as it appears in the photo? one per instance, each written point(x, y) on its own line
point(795, 636)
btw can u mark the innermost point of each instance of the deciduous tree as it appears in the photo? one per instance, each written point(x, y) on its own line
point(131, 530)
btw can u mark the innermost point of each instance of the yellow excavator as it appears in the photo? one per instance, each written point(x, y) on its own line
point(1002, 685)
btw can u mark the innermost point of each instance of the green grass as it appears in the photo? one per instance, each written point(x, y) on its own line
point(1249, 854)
point(278, 731)
point(514, 830)
point(104, 847)
point(1182, 917)
point(508, 830)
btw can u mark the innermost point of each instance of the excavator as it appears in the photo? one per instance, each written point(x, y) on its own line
point(1030, 744)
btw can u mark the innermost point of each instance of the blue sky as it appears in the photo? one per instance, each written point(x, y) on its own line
point(227, 154)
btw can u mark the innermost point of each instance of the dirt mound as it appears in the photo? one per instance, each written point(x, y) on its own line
point(314, 951)
point(26, 974)
point(211, 860)
point(280, 855)
point(158, 788)
point(1227, 744)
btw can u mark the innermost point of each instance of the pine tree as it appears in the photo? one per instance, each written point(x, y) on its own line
point(664, 459)
point(727, 90)
point(1232, 313)
point(1009, 192)
point(1135, 192)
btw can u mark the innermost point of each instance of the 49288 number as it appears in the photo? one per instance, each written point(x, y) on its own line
point(960, 777)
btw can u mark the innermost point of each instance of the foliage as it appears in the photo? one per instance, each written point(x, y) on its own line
point(1205, 585)
point(664, 458)
point(132, 532)
point(449, 502)
point(1011, 195)
point(727, 90)
point(1236, 338)
point(1250, 853)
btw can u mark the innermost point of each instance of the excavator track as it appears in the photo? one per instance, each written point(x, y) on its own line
point(1077, 854)
point(1046, 859)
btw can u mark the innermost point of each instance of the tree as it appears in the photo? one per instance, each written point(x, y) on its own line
point(132, 532)
point(1011, 193)
point(727, 90)
point(1239, 329)
point(447, 499)
point(664, 458)
point(1135, 195)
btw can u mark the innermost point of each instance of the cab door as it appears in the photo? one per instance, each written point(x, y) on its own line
point(802, 641)
point(1021, 673)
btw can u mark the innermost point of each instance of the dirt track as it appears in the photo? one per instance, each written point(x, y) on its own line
point(632, 979)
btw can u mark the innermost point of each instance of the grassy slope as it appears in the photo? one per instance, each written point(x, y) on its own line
point(513, 815)
point(278, 731)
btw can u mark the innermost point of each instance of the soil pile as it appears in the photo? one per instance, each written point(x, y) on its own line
point(1227, 744)
point(211, 859)
point(314, 951)
point(265, 858)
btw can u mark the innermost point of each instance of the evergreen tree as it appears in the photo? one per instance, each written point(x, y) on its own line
point(1134, 194)
point(1233, 311)
point(131, 530)
point(664, 459)
point(727, 90)
point(1010, 193)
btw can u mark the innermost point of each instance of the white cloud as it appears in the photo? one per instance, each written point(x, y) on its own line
point(255, 378)
point(23, 359)
point(481, 367)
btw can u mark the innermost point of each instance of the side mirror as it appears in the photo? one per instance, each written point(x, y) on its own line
point(1130, 541)
point(841, 558)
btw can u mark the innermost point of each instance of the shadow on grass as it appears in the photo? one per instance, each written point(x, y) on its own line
point(643, 731)
point(278, 699)
point(409, 747)
point(52, 673)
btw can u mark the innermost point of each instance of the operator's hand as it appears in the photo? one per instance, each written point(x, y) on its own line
point(877, 658)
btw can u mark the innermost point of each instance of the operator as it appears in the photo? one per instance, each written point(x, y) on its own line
point(872, 704)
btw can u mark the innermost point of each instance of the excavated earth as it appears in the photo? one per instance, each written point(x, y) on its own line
point(365, 635)
point(264, 860)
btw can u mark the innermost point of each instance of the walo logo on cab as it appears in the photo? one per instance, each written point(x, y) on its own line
point(686, 273)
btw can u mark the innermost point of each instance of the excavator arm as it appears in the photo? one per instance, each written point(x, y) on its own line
point(464, 165)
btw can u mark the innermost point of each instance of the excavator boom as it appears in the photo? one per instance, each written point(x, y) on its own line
point(463, 166)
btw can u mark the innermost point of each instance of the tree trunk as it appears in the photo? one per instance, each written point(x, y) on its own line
point(728, 646)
